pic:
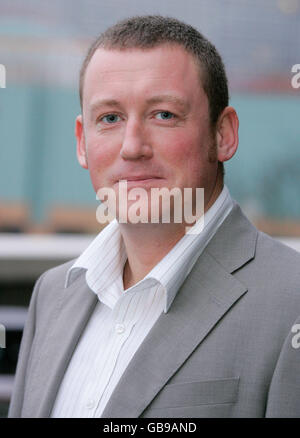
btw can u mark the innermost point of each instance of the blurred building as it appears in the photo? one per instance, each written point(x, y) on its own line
point(42, 187)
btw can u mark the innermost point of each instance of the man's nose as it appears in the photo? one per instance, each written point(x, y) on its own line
point(135, 143)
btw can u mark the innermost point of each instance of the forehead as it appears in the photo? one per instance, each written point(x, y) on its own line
point(142, 70)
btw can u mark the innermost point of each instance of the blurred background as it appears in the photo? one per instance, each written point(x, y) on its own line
point(47, 203)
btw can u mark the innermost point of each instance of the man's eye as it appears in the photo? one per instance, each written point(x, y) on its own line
point(165, 115)
point(110, 118)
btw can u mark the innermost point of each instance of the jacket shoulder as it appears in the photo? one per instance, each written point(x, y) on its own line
point(279, 253)
point(57, 274)
point(50, 286)
point(273, 277)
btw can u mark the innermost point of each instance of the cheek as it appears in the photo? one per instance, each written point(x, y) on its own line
point(175, 147)
point(186, 155)
point(101, 154)
point(100, 160)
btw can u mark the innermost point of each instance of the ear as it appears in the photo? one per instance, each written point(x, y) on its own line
point(80, 143)
point(227, 134)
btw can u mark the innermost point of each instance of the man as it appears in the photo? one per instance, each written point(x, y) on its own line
point(151, 320)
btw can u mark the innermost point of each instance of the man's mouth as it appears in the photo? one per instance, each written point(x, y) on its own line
point(138, 178)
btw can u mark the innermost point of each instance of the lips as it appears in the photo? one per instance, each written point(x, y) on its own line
point(138, 178)
point(145, 181)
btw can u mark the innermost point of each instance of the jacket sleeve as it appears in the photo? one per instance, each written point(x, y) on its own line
point(16, 402)
point(284, 394)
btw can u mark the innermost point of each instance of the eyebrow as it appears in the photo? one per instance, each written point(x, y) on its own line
point(102, 103)
point(152, 100)
point(169, 98)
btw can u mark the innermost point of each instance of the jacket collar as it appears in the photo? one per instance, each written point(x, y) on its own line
point(207, 293)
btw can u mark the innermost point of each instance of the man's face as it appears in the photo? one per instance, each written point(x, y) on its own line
point(146, 120)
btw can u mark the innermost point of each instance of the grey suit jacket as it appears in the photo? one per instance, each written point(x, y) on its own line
point(224, 349)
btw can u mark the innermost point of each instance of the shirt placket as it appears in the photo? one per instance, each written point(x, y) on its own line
point(120, 329)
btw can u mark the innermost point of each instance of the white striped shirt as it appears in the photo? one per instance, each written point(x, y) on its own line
point(122, 319)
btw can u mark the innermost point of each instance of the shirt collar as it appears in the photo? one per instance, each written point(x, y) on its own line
point(97, 254)
point(105, 257)
point(173, 269)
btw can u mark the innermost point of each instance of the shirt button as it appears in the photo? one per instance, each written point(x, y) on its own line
point(90, 404)
point(120, 328)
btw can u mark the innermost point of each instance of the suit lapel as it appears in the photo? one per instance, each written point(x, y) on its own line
point(195, 311)
point(206, 295)
point(74, 310)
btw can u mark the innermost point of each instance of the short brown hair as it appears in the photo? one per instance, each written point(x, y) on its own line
point(153, 30)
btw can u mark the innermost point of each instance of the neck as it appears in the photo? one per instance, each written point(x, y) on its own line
point(147, 244)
